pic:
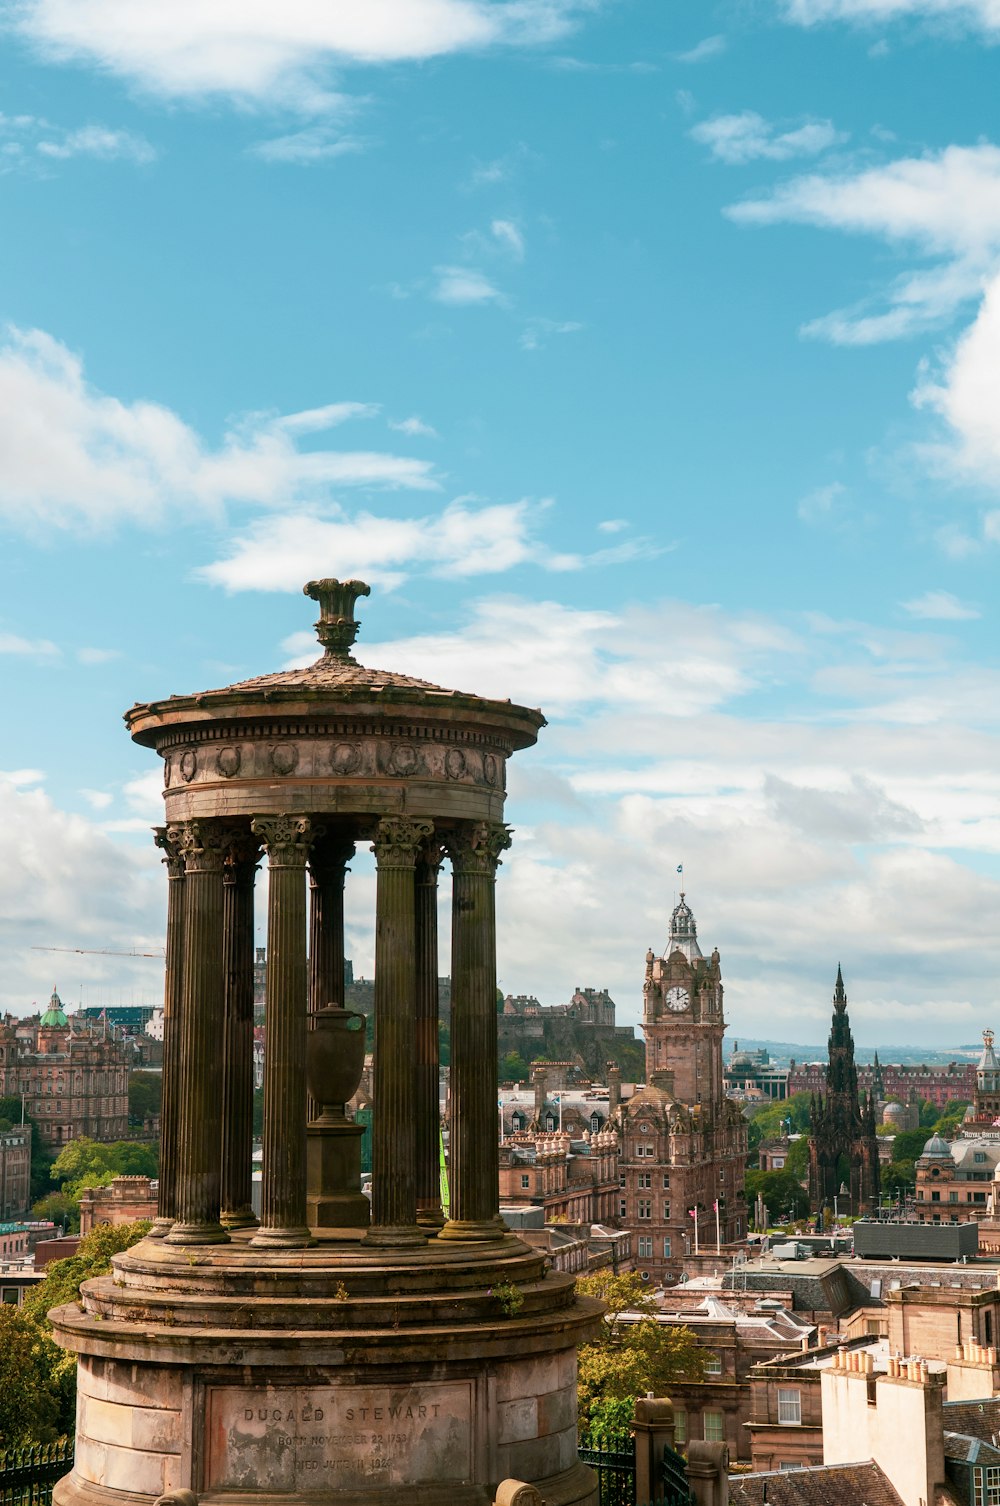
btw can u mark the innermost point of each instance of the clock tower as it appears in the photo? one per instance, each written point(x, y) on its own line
point(682, 1015)
point(683, 1142)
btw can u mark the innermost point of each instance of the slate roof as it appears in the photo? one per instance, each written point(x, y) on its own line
point(976, 1419)
point(332, 672)
point(821, 1485)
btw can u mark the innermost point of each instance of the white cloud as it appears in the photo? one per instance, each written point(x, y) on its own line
point(319, 143)
point(459, 542)
point(748, 136)
point(464, 285)
point(71, 455)
point(266, 54)
point(27, 141)
point(330, 416)
point(944, 206)
point(701, 52)
point(414, 426)
point(510, 236)
point(65, 883)
point(27, 648)
point(824, 504)
point(965, 393)
point(99, 141)
point(536, 332)
point(97, 655)
point(981, 14)
point(940, 606)
point(98, 799)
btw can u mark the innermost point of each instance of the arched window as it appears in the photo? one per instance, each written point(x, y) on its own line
point(595, 1122)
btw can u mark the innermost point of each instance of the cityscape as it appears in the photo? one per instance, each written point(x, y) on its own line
point(500, 774)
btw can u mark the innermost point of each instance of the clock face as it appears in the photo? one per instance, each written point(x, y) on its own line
point(676, 998)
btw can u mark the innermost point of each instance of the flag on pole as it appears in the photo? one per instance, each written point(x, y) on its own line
point(715, 1205)
point(680, 867)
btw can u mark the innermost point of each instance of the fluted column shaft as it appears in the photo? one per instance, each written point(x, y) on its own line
point(426, 1087)
point(394, 1195)
point(474, 1163)
point(199, 1097)
point(327, 872)
point(167, 839)
point(237, 1089)
point(283, 1180)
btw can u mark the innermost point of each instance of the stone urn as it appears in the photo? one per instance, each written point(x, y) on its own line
point(335, 1059)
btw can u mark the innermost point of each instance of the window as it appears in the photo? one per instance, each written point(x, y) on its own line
point(680, 1427)
point(525, 1179)
point(935, 1197)
point(666, 1212)
point(789, 1407)
point(713, 1430)
point(595, 1123)
point(991, 1478)
point(645, 1247)
point(666, 1182)
point(621, 1179)
point(979, 1157)
point(666, 1247)
point(713, 1364)
point(623, 1209)
point(644, 1179)
point(953, 1197)
point(645, 1208)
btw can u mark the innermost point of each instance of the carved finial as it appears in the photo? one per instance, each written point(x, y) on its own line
point(337, 627)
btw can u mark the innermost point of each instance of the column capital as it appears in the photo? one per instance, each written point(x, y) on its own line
point(167, 838)
point(475, 846)
point(202, 844)
point(430, 855)
point(287, 839)
point(242, 854)
point(397, 841)
point(330, 856)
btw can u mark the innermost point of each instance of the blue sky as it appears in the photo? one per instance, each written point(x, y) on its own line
point(643, 355)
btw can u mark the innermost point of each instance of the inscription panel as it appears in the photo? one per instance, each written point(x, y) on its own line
point(328, 1438)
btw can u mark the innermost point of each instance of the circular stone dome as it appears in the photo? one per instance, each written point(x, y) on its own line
point(893, 1111)
point(937, 1148)
point(54, 1017)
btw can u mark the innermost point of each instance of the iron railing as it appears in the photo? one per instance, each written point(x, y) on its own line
point(28, 1473)
point(615, 1470)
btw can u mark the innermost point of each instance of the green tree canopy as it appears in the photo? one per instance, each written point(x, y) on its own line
point(88, 1163)
point(781, 1192)
point(633, 1355)
point(514, 1068)
point(908, 1144)
point(145, 1094)
point(29, 1401)
point(950, 1117)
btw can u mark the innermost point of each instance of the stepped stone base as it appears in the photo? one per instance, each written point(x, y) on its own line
point(337, 1374)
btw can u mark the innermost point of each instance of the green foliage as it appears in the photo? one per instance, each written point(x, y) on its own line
point(780, 1190)
point(610, 1423)
point(29, 1399)
point(145, 1095)
point(514, 1068)
point(797, 1160)
point(41, 1158)
point(508, 1297)
point(87, 1163)
point(950, 1117)
point(908, 1144)
point(632, 1356)
point(928, 1114)
point(897, 1177)
point(62, 1283)
point(60, 1208)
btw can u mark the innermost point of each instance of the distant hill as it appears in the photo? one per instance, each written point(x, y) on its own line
point(782, 1052)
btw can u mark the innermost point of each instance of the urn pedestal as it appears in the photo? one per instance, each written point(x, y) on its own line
point(335, 1059)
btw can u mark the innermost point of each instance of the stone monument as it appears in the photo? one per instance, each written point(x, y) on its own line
point(320, 1355)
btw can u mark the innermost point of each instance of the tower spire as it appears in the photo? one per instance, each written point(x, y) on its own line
point(839, 995)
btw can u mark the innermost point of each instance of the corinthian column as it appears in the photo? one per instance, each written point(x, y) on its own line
point(394, 1195)
point(237, 1089)
point(427, 1105)
point(199, 1099)
point(474, 849)
point(167, 839)
point(283, 1187)
point(327, 870)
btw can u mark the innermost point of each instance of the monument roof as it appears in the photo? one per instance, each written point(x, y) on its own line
point(937, 1146)
point(54, 1017)
point(335, 676)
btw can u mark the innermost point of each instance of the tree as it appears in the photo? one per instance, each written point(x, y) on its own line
point(145, 1094)
point(60, 1208)
point(781, 1192)
point(909, 1144)
point(41, 1158)
point(62, 1283)
point(29, 1403)
point(514, 1068)
point(950, 1117)
point(633, 1355)
point(87, 1163)
point(797, 1160)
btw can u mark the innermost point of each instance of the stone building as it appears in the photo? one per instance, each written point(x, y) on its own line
point(572, 1180)
point(15, 1172)
point(72, 1076)
point(940, 1083)
point(843, 1149)
point(583, 1032)
point(121, 1202)
point(954, 1180)
point(684, 1143)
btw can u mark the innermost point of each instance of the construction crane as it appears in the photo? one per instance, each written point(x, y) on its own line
point(84, 951)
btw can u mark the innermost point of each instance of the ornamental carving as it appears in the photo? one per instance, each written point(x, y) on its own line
point(490, 769)
point(287, 839)
point(203, 845)
point(284, 758)
point(228, 761)
point(397, 840)
point(167, 766)
point(454, 763)
point(401, 759)
point(430, 857)
point(475, 847)
point(189, 765)
point(167, 839)
point(242, 853)
point(329, 859)
point(345, 758)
